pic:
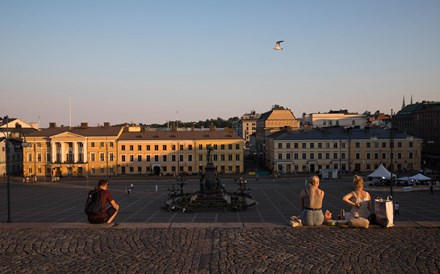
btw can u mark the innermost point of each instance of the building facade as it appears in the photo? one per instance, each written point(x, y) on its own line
point(354, 150)
point(135, 150)
point(341, 118)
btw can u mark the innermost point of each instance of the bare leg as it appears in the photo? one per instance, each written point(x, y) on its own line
point(112, 217)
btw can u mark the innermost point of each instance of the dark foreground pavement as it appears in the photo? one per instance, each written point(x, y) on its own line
point(208, 248)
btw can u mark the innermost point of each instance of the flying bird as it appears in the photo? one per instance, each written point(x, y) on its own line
point(278, 45)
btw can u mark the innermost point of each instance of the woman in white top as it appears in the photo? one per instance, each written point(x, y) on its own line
point(359, 199)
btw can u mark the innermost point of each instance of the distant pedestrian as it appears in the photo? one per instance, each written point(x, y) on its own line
point(396, 209)
point(431, 188)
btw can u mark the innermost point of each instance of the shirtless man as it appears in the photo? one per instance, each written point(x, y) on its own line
point(311, 199)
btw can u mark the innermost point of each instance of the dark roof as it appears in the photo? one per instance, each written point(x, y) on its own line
point(337, 133)
point(180, 135)
point(83, 131)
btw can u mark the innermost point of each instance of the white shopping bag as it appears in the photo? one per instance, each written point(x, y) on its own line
point(384, 210)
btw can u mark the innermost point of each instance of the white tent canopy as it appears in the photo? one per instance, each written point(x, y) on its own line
point(381, 172)
point(419, 177)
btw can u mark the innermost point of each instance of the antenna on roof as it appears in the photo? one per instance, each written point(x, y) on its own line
point(70, 112)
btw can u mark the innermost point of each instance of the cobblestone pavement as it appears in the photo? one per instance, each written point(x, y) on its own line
point(219, 250)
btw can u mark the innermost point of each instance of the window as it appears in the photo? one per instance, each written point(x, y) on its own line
point(335, 155)
point(101, 144)
point(280, 156)
point(358, 145)
point(304, 145)
point(181, 157)
point(123, 147)
point(410, 144)
point(368, 144)
point(101, 157)
point(131, 147)
point(92, 144)
point(287, 145)
point(164, 147)
point(357, 156)
point(280, 145)
point(200, 158)
point(304, 156)
point(222, 147)
point(399, 144)
point(110, 144)
point(327, 155)
point(156, 147)
point(173, 157)
point(148, 147)
point(215, 146)
point(319, 145)
point(410, 155)
point(376, 155)
point(112, 157)
point(190, 158)
point(229, 157)
point(384, 155)
point(295, 156)
point(312, 145)
point(312, 156)
point(319, 155)
point(139, 158)
point(190, 147)
point(295, 145)
point(156, 158)
point(173, 147)
point(181, 147)
point(237, 146)
point(343, 145)
point(122, 158)
point(335, 145)
point(384, 145)
point(222, 157)
point(237, 157)
point(148, 158)
point(164, 158)
point(343, 155)
point(139, 147)
point(368, 156)
point(201, 147)
point(131, 158)
point(288, 156)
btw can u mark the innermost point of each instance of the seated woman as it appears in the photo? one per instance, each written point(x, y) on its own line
point(359, 199)
point(311, 203)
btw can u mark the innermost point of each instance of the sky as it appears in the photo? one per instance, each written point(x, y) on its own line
point(156, 61)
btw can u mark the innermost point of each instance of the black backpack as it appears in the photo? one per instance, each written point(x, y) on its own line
point(93, 203)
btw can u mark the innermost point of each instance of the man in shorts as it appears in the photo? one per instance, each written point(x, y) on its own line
point(108, 214)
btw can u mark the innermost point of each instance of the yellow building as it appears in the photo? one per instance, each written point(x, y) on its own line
point(173, 151)
point(354, 150)
point(111, 151)
point(77, 151)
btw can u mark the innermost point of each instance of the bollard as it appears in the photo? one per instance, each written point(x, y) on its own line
point(156, 189)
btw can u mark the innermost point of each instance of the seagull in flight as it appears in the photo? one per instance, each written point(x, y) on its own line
point(278, 45)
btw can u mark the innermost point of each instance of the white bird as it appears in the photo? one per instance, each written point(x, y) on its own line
point(278, 45)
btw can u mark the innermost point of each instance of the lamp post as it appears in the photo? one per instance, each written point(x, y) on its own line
point(391, 154)
point(8, 189)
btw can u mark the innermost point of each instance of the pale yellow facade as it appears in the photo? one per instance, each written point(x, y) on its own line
point(120, 151)
point(301, 151)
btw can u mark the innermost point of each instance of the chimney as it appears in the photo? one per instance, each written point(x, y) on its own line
point(52, 125)
point(84, 125)
point(106, 124)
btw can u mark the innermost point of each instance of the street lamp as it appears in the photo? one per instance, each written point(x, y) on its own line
point(8, 189)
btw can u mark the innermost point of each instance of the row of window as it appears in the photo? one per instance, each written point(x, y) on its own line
point(336, 144)
point(311, 156)
point(181, 147)
point(189, 158)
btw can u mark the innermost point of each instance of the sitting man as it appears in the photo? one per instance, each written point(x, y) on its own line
point(311, 203)
point(108, 214)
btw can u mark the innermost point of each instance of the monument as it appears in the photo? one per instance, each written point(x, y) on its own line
point(211, 196)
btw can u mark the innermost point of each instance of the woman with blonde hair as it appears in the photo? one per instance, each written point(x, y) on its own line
point(359, 199)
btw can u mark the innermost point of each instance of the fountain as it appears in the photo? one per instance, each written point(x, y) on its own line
point(212, 195)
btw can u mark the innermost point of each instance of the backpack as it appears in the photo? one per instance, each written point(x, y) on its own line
point(93, 203)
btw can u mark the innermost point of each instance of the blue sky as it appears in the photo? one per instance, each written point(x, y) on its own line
point(142, 61)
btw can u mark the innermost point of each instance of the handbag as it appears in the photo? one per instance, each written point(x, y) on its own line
point(359, 222)
point(384, 211)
